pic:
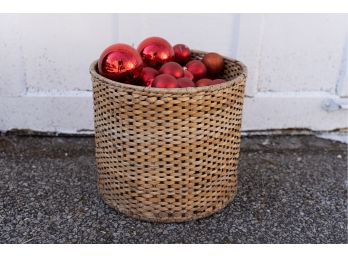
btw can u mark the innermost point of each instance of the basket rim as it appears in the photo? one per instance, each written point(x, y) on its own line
point(229, 83)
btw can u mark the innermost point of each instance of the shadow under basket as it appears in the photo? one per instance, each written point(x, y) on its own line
point(168, 155)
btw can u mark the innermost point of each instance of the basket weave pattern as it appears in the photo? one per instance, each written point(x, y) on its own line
point(168, 155)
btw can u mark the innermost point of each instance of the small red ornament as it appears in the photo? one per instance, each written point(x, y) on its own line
point(172, 68)
point(120, 62)
point(164, 81)
point(197, 68)
point(156, 51)
point(214, 63)
point(188, 74)
point(218, 81)
point(147, 76)
point(185, 82)
point(182, 53)
point(204, 82)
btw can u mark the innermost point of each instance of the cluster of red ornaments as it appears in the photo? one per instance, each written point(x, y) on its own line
point(156, 63)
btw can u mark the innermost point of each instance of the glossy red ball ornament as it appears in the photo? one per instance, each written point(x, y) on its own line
point(120, 62)
point(188, 74)
point(182, 53)
point(164, 81)
point(147, 76)
point(156, 51)
point(218, 81)
point(172, 68)
point(197, 68)
point(204, 82)
point(185, 82)
point(214, 63)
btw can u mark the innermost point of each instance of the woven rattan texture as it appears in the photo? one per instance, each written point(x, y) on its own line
point(168, 155)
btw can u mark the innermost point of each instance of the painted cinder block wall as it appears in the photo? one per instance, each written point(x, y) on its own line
point(298, 72)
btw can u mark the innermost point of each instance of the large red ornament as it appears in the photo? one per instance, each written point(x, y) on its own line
point(197, 68)
point(182, 53)
point(204, 82)
point(172, 68)
point(156, 51)
point(188, 74)
point(185, 82)
point(120, 62)
point(214, 63)
point(147, 76)
point(164, 81)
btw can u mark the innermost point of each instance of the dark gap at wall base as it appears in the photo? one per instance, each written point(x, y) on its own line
point(90, 133)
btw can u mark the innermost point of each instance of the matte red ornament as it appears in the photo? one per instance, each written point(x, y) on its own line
point(218, 81)
point(204, 82)
point(172, 68)
point(147, 76)
point(185, 82)
point(164, 81)
point(197, 68)
point(188, 74)
point(214, 63)
point(156, 51)
point(120, 62)
point(182, 53)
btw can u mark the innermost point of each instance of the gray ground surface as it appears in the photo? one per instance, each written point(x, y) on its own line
point(291, 190)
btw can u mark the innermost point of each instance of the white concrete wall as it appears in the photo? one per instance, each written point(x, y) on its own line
point(297, 63)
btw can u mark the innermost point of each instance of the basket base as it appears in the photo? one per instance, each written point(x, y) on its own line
point(174, 219)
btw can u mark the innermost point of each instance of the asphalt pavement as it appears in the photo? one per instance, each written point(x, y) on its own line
point(291, 189)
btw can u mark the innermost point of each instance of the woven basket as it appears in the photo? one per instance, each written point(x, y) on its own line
point(168, 155)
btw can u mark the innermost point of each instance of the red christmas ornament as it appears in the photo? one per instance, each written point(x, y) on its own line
point(156, 51)
point(172, 68)
point(182, 53)
point(218, 81)
point(197, 68)
point(185, 82)
point(188, 74)
point(164, 81)
point(120, 62)
point(147, 76)
point(214, 63)
point(204, 82)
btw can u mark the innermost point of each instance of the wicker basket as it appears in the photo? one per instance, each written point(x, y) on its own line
point(168, 155)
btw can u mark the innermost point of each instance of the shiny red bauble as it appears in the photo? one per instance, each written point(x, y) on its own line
point(172, 68)
point(185, 82)
point(156, 51)
point(120, 62)
point(197, 68)
point(164, 81)
point(218, 81)
point(147, 76)
point(188, 74)
point(182, 53)
point(214, 63)
point(204, 82)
